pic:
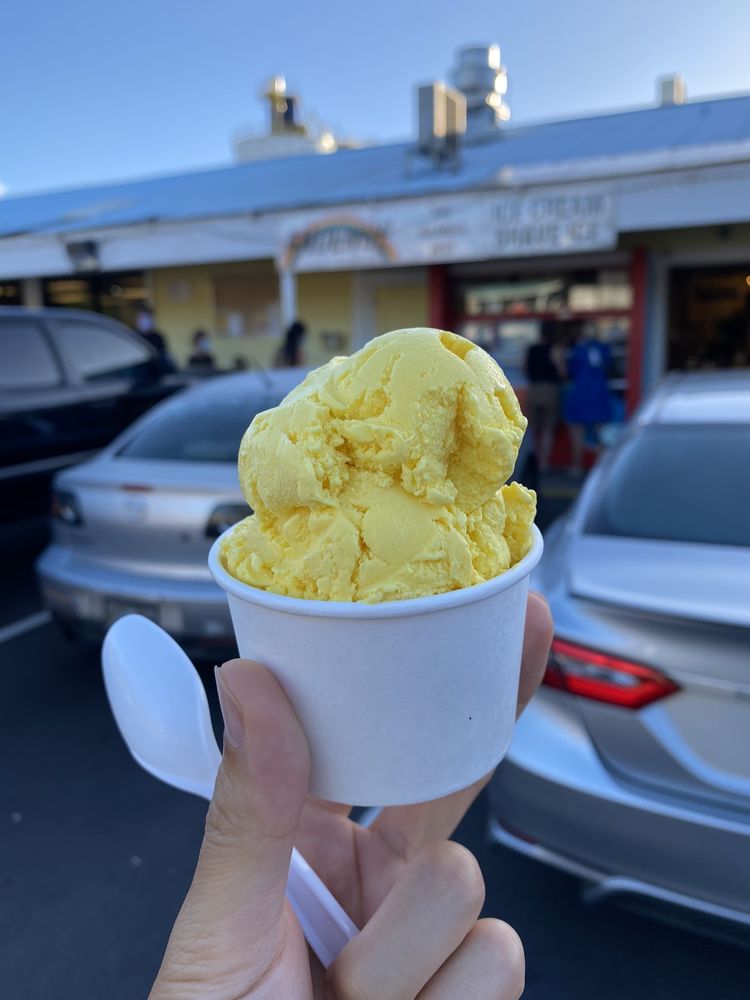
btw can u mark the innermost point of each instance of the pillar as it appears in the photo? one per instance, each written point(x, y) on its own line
point(288, 297)
point(31, 293)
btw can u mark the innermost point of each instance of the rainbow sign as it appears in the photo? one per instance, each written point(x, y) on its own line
point(337, 236)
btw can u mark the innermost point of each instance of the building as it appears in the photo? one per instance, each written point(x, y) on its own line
point(637, 222)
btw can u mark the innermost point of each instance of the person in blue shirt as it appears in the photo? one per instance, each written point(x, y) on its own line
point(588, 404)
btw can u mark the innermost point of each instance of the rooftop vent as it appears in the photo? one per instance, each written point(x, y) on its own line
point(671, 90)
point(442, 121)
point(483, 81)
point(283, 108)
point(288, 135)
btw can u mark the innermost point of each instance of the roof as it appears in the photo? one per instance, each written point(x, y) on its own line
point(374, 172)
point(702, 398)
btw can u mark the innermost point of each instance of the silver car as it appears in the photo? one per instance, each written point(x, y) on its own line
point(132, 527)
point(631, 768)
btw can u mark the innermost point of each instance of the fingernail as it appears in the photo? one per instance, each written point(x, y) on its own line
point(230, 709)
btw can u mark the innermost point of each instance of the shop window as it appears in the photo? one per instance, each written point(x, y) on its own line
point(709, 318)
point(508, 340)
point(117, 294)
point(10, 293)
point(70, 293)
point(247, 305)
point(505, 316)
point(121, 295)
point(577, 293)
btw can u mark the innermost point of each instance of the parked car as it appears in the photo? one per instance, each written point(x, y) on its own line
point(69, 382)
point(631, 767)
point(132, 527)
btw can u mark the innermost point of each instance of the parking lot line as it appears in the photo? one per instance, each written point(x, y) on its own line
point(24, 625)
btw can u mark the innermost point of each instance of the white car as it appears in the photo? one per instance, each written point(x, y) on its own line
point(132, 527)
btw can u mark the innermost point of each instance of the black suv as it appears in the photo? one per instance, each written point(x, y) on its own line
point(69, 382)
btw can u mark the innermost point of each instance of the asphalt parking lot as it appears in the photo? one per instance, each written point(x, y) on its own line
point(96, 856)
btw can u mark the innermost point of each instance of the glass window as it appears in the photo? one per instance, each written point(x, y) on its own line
point(117, 294)
point(10, 293)
point(247, 304)
point(575, 292)
point(506, 340)
point(73, 293)
point(709, 318)
point(204, 428)
point(681, 483)
point(27, 359)
point(121, 294)
point(515, 297)
point(96, 351)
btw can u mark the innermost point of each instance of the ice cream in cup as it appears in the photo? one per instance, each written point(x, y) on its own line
point(384, 571)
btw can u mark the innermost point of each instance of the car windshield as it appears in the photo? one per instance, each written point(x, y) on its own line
point(681, 483)
point(205, 428)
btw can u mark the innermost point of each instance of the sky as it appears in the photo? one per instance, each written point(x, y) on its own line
point(96, 91)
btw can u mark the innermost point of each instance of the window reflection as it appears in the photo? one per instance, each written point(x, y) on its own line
point(577, 292)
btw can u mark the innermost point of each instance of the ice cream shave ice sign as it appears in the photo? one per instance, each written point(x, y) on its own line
point(451, 228)
point(553, 222)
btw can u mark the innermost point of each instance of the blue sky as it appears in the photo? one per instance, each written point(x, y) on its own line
point(98, 90)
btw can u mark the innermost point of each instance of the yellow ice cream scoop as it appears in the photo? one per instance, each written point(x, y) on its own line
point(381, 476)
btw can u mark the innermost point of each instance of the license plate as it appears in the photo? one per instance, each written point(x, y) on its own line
point(116, 608)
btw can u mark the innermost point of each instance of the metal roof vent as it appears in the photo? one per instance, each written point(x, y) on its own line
point(288, 135)
point(483, 81)
point(441, 115)
point(671, 90)
point(283, 108)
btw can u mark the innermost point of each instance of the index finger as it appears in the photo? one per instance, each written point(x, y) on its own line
point(406, 828)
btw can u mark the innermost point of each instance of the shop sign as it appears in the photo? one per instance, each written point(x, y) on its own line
point(444, 229)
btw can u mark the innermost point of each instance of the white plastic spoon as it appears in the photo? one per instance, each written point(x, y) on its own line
point(161, 710)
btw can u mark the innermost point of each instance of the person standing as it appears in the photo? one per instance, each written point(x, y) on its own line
point(202, 359)
point(290, 354)
point(144, 324)
point(545, 369)
point(588, 404)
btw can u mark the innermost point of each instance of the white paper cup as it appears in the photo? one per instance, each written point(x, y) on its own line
point(402, 701)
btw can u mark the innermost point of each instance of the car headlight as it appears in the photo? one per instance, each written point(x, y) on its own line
point(224, 516)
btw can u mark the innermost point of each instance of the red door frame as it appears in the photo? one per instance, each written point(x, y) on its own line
point(637, 339)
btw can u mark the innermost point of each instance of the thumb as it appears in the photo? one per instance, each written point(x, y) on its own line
point(237, 895)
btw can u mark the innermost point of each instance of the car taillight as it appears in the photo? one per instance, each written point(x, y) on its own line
point(590, 674)
point(224, 516)
point(66, 508)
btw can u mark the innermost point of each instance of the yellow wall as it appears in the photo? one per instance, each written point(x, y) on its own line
point(184, 299)
point(400, 306)
point(325, 303)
